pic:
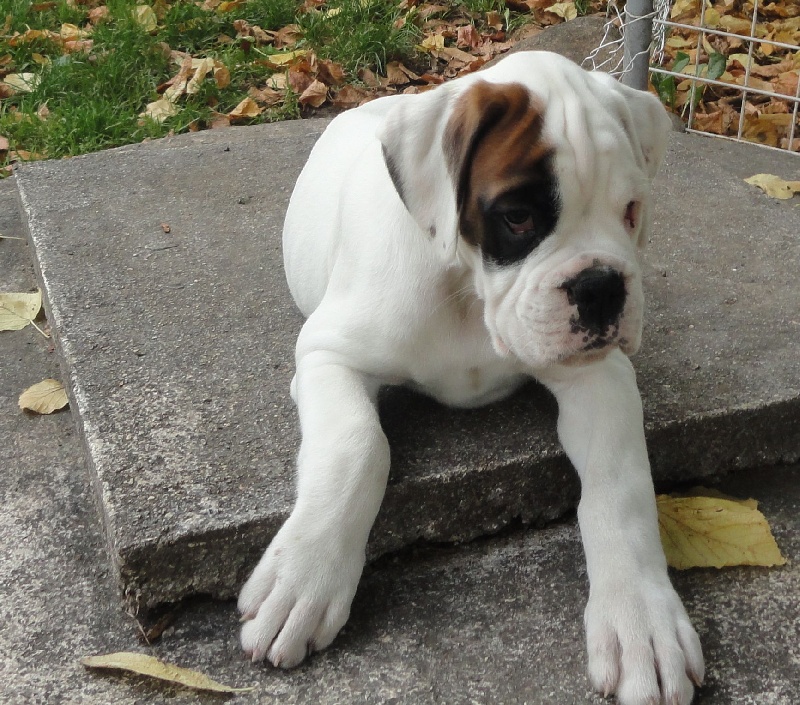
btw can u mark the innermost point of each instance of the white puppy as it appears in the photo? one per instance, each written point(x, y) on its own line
point(461, 241)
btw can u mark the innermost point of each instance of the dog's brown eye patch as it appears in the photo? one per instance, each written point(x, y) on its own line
point(515, 224)
point(506, 187)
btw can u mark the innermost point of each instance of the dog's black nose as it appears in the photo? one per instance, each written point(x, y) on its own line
point(599, 294)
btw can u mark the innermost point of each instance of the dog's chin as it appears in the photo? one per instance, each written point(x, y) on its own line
point(586, 357)
point(575, 357)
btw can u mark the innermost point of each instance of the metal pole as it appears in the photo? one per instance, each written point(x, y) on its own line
point(638, 35)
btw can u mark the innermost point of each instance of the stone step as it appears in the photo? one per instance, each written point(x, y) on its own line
point(178, 350)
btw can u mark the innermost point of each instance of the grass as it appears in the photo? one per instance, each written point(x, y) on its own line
point(85, 100)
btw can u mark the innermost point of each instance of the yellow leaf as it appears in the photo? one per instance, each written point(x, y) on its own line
point(712, 18)
point(159, 110)
point(567, 10)
point(146, 17)
point(44, 398)
point(71, 32)
point(703, 532)
point(775, 186)
point(19, 310)
point(148, 666)
point(247, 108)
point(432, 42)
point(283, 58)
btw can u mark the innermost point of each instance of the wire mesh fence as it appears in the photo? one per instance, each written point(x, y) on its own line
point(730, 68)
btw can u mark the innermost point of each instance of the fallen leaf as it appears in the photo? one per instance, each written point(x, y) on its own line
point(699, 532)
point(775, 186)
point(149, 666)
point(98, 14)
point(4, 146)
point(315, 95)
point(159, 110)
point(431, 43)
point(266, 95)
point(21, 82)
point(19, 310)
point(468, 37)
point(247, 108)
point(44, 398)
point(193, 85)
point(349, 97)
point(286, 57)
point(145, 17)
point(567, 10)
point(222, 76)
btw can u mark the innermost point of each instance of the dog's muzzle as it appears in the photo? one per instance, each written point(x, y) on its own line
point(599, 295)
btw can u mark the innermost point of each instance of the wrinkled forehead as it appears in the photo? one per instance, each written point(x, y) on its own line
point(558, 113)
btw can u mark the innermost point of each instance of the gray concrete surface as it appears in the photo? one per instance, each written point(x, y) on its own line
point(497, 621)
point(178, 351)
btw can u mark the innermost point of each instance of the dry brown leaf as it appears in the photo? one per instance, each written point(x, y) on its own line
point(44, 398)
point(315, 95)
point(266, 95)
point(218, 121)
point(330, 73)
point(222, 76)
point(98, 14)
point(287, 36)
point(159, 110)
point(468, 37)
point(148, 666)
point(349, 97)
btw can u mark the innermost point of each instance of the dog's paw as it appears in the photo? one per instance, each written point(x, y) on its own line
point(299, 595)
point(641, 645)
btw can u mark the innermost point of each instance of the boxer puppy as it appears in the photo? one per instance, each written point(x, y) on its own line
point(461, 241)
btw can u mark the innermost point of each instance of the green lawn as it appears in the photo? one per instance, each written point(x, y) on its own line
point(77, 77)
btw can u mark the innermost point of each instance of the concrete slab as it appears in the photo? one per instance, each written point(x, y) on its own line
point(496, 621)
point(178, 352)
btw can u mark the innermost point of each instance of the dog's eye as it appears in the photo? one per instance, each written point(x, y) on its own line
point(520, 221)
point(632, 215)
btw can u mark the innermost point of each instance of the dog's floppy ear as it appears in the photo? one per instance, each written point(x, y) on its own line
point(428, 141)
point(647, 126)
point(643, 118)
point(412, 136)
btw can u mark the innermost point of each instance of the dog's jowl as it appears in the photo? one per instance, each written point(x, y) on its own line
point(461, 241)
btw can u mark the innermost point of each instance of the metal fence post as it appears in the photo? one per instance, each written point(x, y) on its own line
point(638, 35)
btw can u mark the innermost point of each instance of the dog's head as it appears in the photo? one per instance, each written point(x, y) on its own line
point(536, 175)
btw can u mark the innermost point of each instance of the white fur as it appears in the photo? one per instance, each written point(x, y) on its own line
point(389, 304)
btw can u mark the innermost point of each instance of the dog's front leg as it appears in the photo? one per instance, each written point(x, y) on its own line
point(640, 642)
point(299, 595)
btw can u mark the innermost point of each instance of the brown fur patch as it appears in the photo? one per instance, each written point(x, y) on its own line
point(493, 144)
